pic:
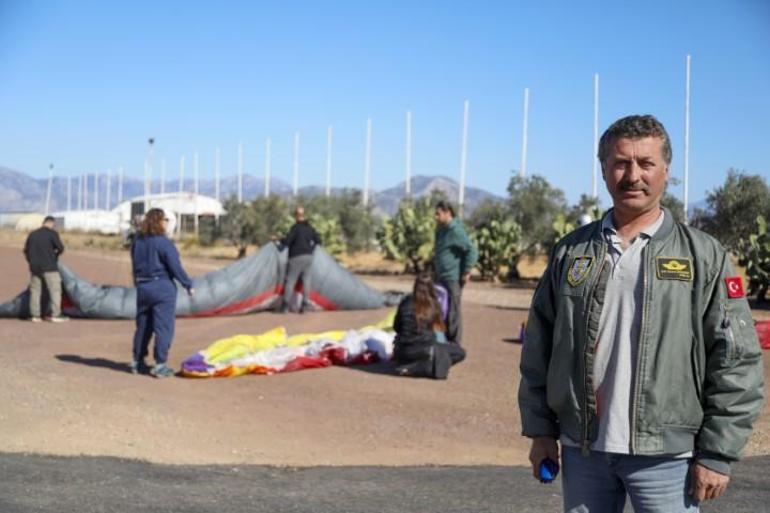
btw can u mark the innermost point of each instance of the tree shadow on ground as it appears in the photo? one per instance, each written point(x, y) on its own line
point(94, 362)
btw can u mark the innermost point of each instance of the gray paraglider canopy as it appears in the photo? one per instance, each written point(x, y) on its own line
point(252, 284)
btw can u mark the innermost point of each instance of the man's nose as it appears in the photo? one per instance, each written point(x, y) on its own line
point(633, 172)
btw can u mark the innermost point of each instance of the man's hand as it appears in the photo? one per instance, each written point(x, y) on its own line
point(542, 447)
point(706, 484)
point(191, 292)
point(464, 278)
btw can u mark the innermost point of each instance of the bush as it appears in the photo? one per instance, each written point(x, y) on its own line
point(408, 236)
point(498, 243)
point(755, 256)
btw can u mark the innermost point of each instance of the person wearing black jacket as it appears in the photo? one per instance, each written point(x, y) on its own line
point(420, 347)
point(301, 241)
point(42, 250)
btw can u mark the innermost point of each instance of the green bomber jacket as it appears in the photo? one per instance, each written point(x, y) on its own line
point(698, 375)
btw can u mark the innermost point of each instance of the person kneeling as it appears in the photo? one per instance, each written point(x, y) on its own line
point(421, 348)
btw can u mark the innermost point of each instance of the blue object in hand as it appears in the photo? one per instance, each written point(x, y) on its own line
point(549, 469)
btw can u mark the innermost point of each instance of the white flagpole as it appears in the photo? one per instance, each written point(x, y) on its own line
point(48, 190)
point(329, 136)
point(595, 174)
point(163, 175)
point(523, 169)
point(240, 172)
point(268, 143)
point(109, 187)
point(120, 184)
point(687, 141)
point(296, 164)
point(195, 190)
point(408, 185)
point(146, 185)
point(216, 174)
point(96, 191)
point(368, 163)
point(463, 155)
point(69, 192)
point(181, 174)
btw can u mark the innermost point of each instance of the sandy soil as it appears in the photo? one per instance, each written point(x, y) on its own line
point(66, 390)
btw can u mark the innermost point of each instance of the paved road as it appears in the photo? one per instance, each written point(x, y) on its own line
point(30, 483)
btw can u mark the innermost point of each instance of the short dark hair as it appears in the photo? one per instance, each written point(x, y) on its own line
point(634, 127)
point(446, 207)
point(49, 219)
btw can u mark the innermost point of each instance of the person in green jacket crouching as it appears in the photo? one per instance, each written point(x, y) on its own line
point(454, 255)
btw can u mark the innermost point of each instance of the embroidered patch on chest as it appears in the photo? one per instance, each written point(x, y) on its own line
point(668, 268)
point(578, 270)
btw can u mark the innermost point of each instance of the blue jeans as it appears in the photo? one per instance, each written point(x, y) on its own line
point(599, 483)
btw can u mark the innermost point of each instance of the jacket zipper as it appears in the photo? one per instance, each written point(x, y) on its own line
point(585, 445)
point(640, 350)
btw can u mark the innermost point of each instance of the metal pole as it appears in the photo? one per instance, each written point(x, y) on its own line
point(96, 191)
point(48, 190)
point(523, 169)
point(408, 185)
point(267, 167)
point(146, 185)
point(216, 175)
point(80, 191)
point(150, 162)
point(120, 184)
point(163, 175)
point(109, 187)
point(368, 162)
point(463, 155)
point(295, 167)
point(595, 174)
point(329, 135)
point(687, 141)
point(181, 174)
point(195, 189)
point(240, 172)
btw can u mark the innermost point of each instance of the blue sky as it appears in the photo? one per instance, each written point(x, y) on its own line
point(83, 84)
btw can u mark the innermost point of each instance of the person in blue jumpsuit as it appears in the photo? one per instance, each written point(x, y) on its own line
point(155, 264)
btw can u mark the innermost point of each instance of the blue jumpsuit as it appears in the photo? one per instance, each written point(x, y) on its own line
point(155, 263)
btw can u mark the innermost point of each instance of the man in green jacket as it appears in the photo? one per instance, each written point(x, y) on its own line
point(454, 255)
point(641, 357)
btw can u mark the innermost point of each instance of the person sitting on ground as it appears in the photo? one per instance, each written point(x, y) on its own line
point(42, 249)
point(155, 263)
point(301, 240)
point(421, 347)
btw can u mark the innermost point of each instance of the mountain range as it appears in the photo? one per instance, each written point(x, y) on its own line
point(22, 193)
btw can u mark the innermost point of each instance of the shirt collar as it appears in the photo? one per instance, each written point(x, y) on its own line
point(648, 231)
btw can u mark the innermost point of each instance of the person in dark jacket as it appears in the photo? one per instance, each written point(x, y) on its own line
point(454, 255)
point(42, 250)
point(155, 264)
point(301, 241)
point(421, 348)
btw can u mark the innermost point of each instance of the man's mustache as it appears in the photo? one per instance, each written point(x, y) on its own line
point(638, 186)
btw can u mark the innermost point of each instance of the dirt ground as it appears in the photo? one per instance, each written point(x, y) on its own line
point(66, 390)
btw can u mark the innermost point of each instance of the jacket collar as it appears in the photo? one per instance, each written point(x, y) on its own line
point(664, 231)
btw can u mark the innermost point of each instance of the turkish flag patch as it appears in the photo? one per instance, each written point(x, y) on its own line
point(734, 287)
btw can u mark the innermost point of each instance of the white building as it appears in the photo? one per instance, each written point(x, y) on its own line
point(185, 211)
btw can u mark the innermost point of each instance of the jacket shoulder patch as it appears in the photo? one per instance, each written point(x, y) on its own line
point(673, 268)
point(578, 270)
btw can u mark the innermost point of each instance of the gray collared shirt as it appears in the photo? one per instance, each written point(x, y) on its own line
point(615, 357)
